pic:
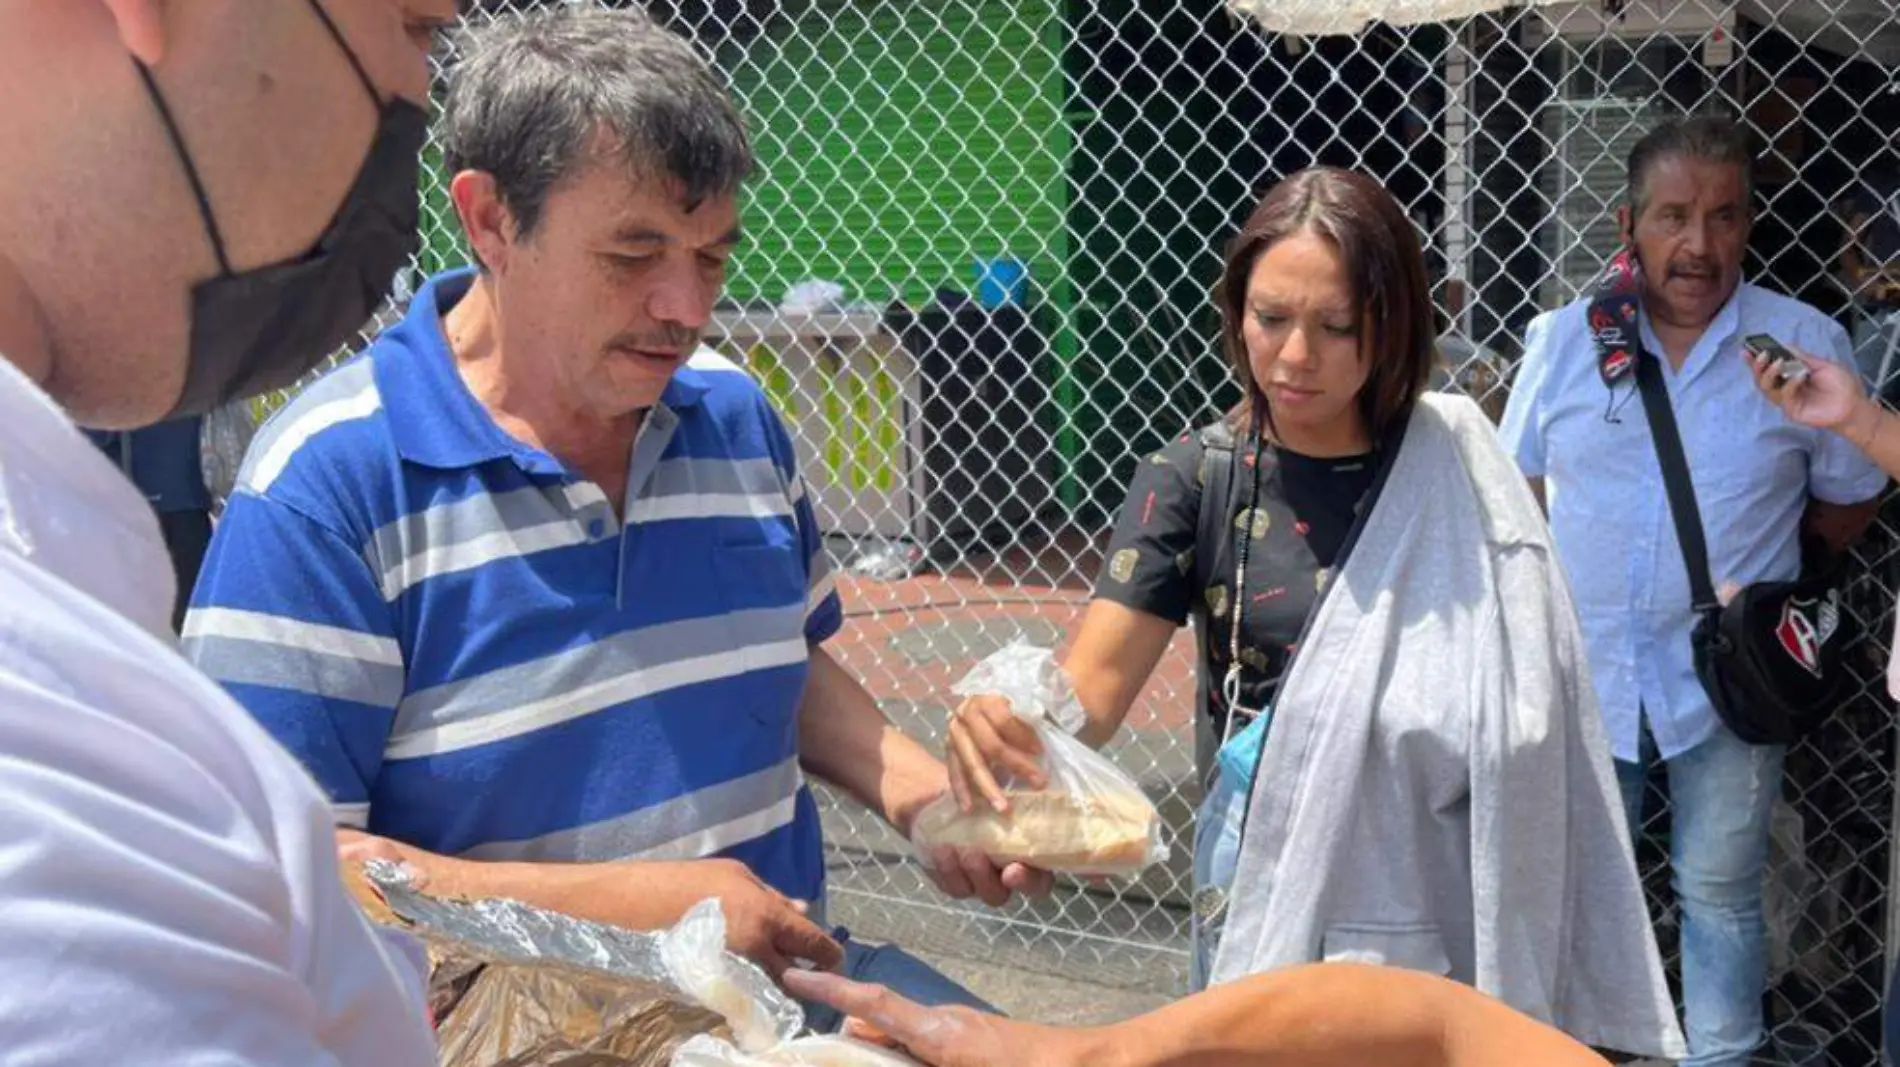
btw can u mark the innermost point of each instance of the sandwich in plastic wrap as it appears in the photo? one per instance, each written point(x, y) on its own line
point(1090, 819)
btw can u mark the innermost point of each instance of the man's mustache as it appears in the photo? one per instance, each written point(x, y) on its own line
point(665, 341)
point(1694, 267)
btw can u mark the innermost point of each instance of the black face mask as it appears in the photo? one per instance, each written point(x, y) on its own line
point(263, 329)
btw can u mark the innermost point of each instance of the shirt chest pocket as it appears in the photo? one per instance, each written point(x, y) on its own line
point(761, 589)
point(762, 575)
point(1747, 458)
point(758, 564)
point(1593, 449)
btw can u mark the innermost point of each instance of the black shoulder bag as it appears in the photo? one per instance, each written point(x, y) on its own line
point(1773, 660)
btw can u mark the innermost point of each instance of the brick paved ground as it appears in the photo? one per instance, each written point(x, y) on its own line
point(910, 641)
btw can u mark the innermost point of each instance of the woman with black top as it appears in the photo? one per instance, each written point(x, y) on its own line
point(1243, 526)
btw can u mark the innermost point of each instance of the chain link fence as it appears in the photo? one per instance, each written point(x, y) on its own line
point(1020, 205)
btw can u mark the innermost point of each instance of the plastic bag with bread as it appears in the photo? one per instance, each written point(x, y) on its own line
point(764, 1024)
point(1091, 819)
point(760, 1015)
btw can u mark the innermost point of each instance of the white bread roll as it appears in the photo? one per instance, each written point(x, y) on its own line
point(1054, 831)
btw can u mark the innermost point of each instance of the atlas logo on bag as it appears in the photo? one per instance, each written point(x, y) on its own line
point(1806, 626)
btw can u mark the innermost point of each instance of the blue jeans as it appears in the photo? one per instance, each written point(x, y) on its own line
point(1216, 854)
point(897, 970)
point(1721, 795)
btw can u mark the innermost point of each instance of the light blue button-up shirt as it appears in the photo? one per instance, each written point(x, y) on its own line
point(1753, 472)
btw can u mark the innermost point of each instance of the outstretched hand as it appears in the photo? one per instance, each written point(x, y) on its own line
point(1832, 396)
point(939, 1037)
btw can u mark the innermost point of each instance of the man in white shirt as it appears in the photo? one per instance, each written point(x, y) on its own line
point(1756, 477)
point(197, 200)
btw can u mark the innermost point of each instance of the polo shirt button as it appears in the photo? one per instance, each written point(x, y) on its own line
point(596, 528)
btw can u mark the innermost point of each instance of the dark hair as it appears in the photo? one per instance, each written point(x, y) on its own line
point(1385, 267)
point(1704, 138)
point(535, 90)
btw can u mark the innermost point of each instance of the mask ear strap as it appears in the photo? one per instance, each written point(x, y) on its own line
point(184, 159)
point(349, 53)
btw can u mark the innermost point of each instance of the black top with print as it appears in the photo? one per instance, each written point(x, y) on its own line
point(1305, 511)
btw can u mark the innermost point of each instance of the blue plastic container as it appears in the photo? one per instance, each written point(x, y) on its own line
point(1001, 282)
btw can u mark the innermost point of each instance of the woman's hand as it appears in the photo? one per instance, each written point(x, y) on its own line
point(1113, 656)
point(1832, 397)
point(940, 1037)
point(988, 742)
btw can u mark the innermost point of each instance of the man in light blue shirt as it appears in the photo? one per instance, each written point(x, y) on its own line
point(1757, 477)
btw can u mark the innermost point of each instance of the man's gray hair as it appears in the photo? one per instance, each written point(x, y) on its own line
point(534, 92)
point(1704, 138)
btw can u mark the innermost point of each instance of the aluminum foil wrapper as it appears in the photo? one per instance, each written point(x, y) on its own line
point(580, 991)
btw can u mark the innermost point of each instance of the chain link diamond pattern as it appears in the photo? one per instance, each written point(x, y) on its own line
point(967, 460)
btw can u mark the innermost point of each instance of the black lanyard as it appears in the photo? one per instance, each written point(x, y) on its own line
point(1230, 683)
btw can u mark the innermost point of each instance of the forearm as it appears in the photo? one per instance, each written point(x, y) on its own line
point(1335, 1015)
point(1106, 696)
point(845, 739)
point(1111, 662)
point(1876, 432)
point(638, 896)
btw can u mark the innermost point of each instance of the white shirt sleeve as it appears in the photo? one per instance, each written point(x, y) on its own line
point(1522, 429)
point(169, 889)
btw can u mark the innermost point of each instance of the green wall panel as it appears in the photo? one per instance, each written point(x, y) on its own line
point(443, 247)
point(900, 143)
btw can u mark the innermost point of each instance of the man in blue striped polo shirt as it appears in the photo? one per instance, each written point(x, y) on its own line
point(533, 587)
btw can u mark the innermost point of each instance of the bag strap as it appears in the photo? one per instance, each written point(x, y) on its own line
point(1675, 472)
point(1615, 313)
point(1217, 489)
